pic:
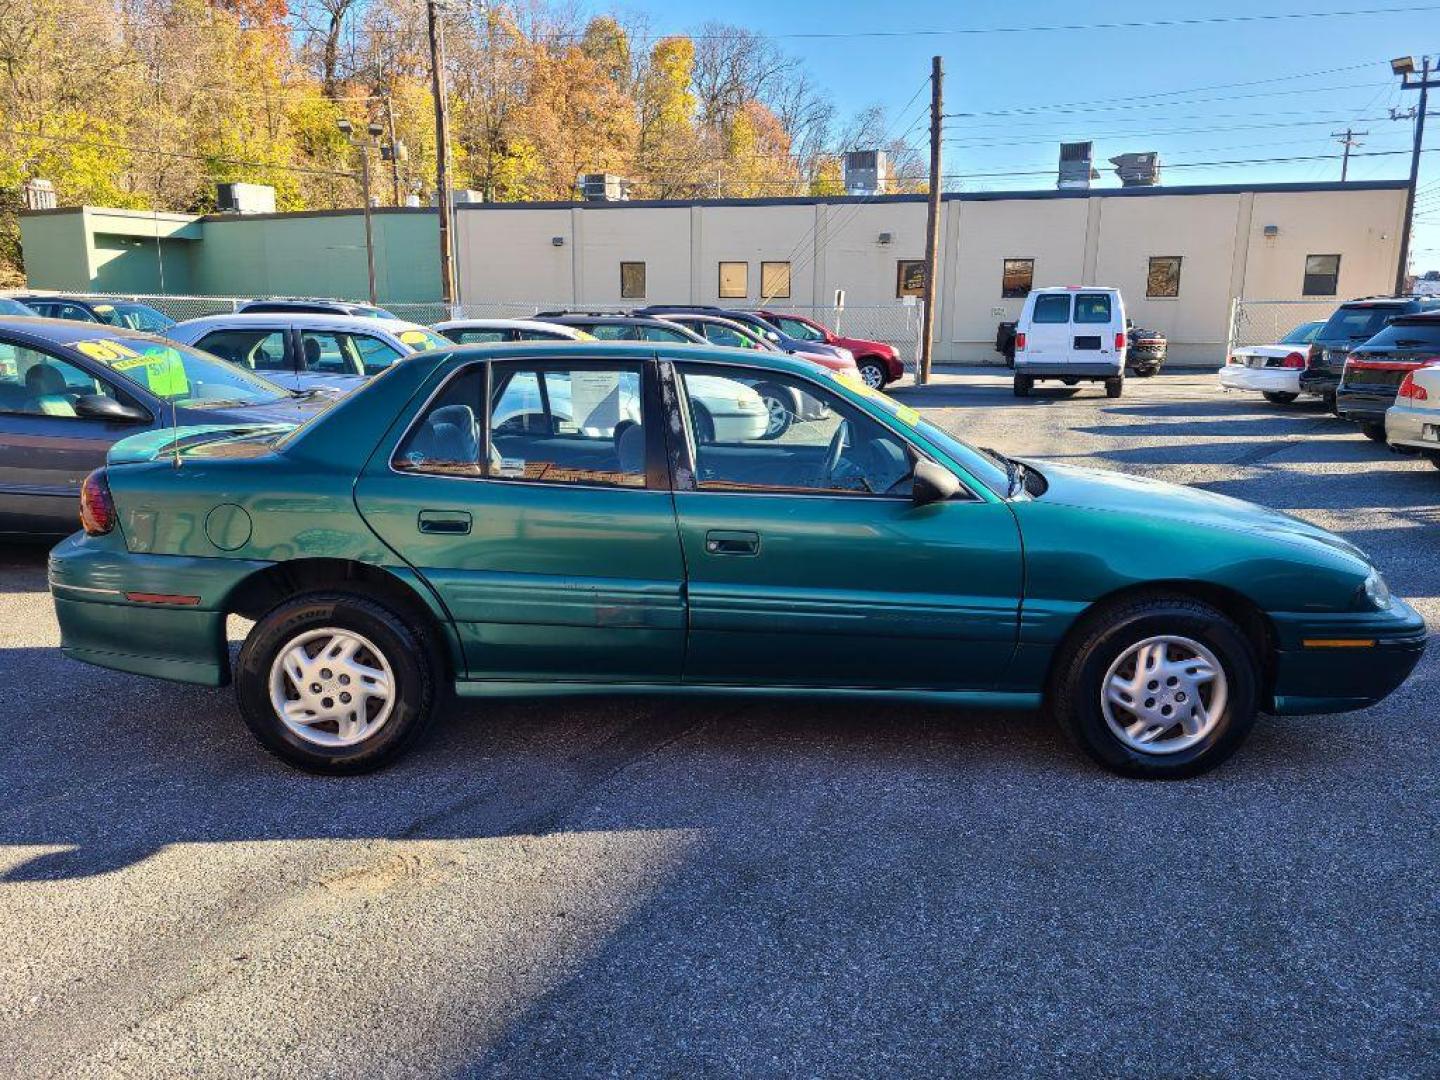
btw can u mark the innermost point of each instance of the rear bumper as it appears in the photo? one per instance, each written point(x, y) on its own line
point(1405, 426)
point(1062, 369)
point(1262, 380)
point(1364, 406)
point(1319, 381)
point(1345, 661)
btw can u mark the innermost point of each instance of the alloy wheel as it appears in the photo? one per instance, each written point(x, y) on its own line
point(332, 687)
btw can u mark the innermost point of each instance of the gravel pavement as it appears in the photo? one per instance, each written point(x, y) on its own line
point(649, 887)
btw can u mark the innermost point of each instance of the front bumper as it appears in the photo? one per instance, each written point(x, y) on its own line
point(91, 580)
point(1262, 380)
point(1345, 661)
point(1362, 406)
point(1405, 426)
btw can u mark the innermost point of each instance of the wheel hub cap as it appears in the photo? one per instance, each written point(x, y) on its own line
point(1164, 694)
point(871, 376)
point(332, 687)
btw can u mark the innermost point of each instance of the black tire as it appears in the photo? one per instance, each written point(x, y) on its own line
point(1080, 669)
point(1023, 385)
point(874, 373)
point(1374, 432)
point(771, 395)
point(1331, 405)
point(414, 662)
point(1279, 397)
point(1148, 371)
point(1114, 387)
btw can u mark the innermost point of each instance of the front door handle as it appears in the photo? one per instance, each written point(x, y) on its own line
point(732, 542)
point(445, 522)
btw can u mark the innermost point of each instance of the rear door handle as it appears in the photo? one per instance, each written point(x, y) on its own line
point(447, 522)
point(732, 542)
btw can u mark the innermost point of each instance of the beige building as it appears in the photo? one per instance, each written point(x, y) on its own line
point(1178, 254)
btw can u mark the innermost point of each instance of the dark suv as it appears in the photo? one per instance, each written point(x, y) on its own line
point(1375, 369)
point(1353, 323)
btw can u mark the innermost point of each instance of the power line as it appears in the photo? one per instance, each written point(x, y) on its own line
point(1062, 111)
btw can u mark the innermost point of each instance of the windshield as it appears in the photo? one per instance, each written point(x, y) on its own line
point(420, 339)
point(14, 307)
point(1424, 335)
point(1302, 334)
point(178, 373)
point(980, 465)
point(134, 316)
point(1356, 323)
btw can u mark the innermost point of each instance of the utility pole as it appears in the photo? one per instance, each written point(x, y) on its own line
point(1347, 139)
point(442, 150)
point(1405, 67)
point(932, 222)
point(365, 145)
point(395, 150)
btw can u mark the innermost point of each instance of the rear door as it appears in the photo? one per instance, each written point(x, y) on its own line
point(1094, 324)
point(544, 521)
point(1047, 339)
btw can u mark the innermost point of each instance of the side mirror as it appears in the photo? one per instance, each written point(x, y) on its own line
point(930, 483)
point(101, 407)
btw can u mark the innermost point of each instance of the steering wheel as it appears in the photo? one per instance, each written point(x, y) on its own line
point(835, 451)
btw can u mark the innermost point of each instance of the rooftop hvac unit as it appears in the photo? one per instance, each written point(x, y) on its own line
point(1137, 170)
point(39, 194)
point(603, 187)
point(867, 172)
point(1077, 166)
point(245, 198)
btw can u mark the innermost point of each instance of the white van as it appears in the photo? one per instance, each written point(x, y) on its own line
point(1071, 333)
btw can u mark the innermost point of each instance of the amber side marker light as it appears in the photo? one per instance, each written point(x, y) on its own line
point(1339, 643)
point(162, 598)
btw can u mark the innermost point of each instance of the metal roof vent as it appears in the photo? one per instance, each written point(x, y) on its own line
point(1077, 166)
point(603, 187)
point(867, 172)
point(1137, 170)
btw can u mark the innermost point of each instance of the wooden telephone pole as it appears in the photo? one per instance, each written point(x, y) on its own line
point(1347, 139)
point(932, 222)
point(442, 150)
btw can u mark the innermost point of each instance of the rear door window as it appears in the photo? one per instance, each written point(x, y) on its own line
point(477, 337)
point(255, 349)
point(1092, 307)
point(1052, 308)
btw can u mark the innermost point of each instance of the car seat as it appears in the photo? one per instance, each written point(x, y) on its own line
point(312, 354)
point(48, 393)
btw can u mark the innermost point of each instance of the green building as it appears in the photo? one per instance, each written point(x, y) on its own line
point(306, 253)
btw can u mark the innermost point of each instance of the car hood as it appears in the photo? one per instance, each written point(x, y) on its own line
point(1138, 496)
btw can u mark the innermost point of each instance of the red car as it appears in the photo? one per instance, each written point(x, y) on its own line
point(878, 362)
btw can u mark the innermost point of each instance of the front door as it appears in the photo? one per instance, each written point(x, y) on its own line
point(808, 563)
point(543, 519)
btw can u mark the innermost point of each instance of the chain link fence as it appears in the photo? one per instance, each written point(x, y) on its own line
point(896, 324)
point(1264, 322)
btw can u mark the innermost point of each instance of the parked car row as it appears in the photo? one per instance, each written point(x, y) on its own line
point(1372, 362)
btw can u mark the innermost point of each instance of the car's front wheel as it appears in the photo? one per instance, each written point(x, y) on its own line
point(336, 683)
point(873, 373)
point(1279, 397)
point(1159, 688)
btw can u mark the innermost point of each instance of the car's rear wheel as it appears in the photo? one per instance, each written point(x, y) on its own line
point(1157, 689)
point(336, 683)
point(1114, 387)
point(778, 410)
point(1373, 432)
point(1023, 385)
point(1279, 397)
point(873, 373)
point(1435, 460)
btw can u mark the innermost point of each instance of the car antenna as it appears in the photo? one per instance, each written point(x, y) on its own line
point(170, 356)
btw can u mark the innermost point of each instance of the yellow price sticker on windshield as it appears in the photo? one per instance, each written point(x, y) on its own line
point(107, 352)
point(415, 337)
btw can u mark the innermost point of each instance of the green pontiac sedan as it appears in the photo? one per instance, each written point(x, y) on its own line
point(526, 520)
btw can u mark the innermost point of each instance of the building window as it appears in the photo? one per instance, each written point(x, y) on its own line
point(1163, 277)
point(632, 281)
point(734, 280)
point(910, 277)
point(1322, 275)
point(775, 280)
point(1017, 279)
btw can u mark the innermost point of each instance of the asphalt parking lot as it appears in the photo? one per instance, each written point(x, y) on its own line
point(654, 887)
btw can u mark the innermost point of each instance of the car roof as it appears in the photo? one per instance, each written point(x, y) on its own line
point(1418, 317)
point(65, 331)
point(634, 350)
point(302, 319)
point(500, 324)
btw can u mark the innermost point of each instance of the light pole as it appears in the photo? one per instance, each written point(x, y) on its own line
point(365, 146)
point(1404, 67)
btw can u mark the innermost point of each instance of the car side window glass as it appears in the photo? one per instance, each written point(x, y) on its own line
point(375, 355)
point(477, 337)
point(661, 333)
point(257, 350)
point(723, 335)
point(754, 431)
point(557, 424)
point(612, 331)
point(329, 353)
point(1052, 308)
point(1092, 308)
point(446, 439)
point(35, 383)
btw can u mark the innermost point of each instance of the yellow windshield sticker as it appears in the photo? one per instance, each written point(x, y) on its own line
point(415, 337)
point(105, 308)
point(581, 335)
point(107, 352)
point(163, 374)
point(907, 415)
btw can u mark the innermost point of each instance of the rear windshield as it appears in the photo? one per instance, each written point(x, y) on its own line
point(1052, 308)
point(1424, 335)
point(1092, 308)
point(1356, 323)
point(1302, 334)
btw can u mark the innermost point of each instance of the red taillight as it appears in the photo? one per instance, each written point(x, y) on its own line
point(97, 508)
point(1294, 360)
point(1412, 390)
point(1019, 342)
point(1120, 341)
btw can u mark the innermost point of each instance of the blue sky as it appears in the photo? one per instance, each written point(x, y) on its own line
point(1118, 86)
